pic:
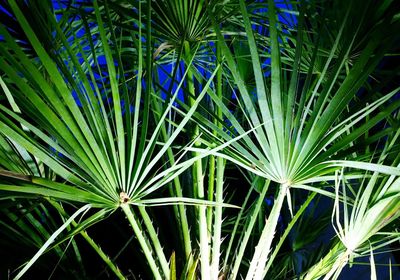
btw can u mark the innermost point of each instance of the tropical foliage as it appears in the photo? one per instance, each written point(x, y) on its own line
point(194, 139)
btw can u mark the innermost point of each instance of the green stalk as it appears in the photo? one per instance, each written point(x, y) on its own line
point(102, 255)
point(181, 215)
point(234, 230)
point(142, 241)
point(248, 231)
point(155, 241)
point(210, 191)
point(91, 242)
point(204, 247)
point(216, 242)
point(219, 197)
point(263, 247)
point(198, 183)
point(287, 231)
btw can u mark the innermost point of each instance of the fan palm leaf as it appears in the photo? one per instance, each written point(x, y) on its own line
point(298, 130)
point(92, 140)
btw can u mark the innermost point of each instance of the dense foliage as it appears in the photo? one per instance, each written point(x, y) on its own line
point(198, 139)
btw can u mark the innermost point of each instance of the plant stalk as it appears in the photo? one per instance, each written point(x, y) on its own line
point(216, 242)
point(287, 231)
point(142, 241)
point(263, 247)
point(102, 255)
point(248, 230)
point(198, 181)
point(181, 209)
point(211, 189)
point(219, 188)
point(155, 241)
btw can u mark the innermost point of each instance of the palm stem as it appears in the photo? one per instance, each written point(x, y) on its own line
point(204, 247)
point(216, 243)
point(263, 247)
point(216, 247)
point(102, 255)
point(198, 181)
point(181, 209)
point(142, 241)
point(288, 230)
point(155, 241)
point(248, 230)
point(210, 191)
